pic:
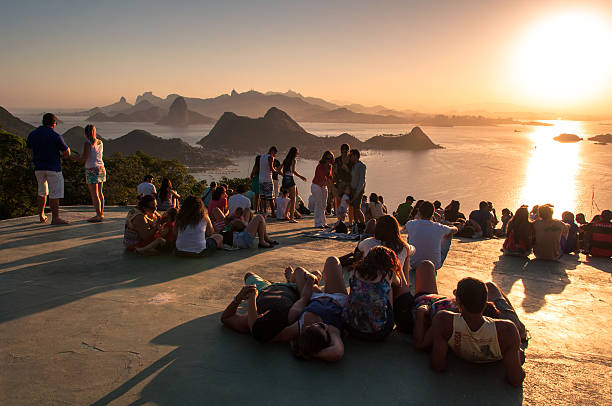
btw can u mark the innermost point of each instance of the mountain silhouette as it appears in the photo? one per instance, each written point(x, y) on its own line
point(14, 125)
point(180, 116)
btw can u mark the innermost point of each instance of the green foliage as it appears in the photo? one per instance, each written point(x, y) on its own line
point(18, 184)
point(234, 182)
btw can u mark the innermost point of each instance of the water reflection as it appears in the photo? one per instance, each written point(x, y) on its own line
point(553, 166)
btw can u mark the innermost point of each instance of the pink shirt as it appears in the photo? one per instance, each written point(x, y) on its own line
point(221, 204)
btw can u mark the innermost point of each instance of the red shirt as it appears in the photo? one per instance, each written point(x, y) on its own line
point(323, 173)
point(221, 204)
point(601, 242)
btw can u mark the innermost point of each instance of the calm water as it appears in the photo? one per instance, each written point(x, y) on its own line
point(478, 163)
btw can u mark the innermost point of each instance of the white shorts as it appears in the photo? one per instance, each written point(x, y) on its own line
point(275, 189)
point(50, 183)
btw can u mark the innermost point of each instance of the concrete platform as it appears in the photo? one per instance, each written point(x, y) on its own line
point(82, 322)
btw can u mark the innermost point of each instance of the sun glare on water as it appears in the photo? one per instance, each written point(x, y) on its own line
point(565, 58)
point(551, 172)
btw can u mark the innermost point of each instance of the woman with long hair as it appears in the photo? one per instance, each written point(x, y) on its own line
point(218, 209)
point(368, 311)
point(95, 174)
point(142, 226)
point(519, 238)
point(167, 198)
point(194, 231)
point(288, 168)
point(319, 188)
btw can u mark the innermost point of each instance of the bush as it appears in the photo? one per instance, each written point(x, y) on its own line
point(18, 184)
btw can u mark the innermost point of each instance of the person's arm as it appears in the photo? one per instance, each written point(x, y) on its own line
point(295, 172)
point(287, 334)
point(270, 164)
point(422, 337)
point(335, 351)
point(452, 230)
point(210, 230)
point(252, 314)
point(83, 157)
point(510, 345)
point(145, 230)
point(440, 335)
point(229, 318)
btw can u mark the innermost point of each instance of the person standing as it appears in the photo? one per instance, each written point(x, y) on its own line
point(95, 174)
point(342, 176)
point(266, 187)
point(47, 147)
point(208, 193)
point(358, 174)
point(288, 168)
point(322, 178)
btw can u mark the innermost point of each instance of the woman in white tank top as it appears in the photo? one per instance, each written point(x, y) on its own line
point(95, 174)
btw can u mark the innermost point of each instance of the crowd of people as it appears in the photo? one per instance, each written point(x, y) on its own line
point(312, 310)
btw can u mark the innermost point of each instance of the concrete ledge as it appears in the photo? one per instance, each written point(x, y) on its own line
point(83, 322)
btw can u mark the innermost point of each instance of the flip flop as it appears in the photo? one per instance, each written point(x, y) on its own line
point(272, 242)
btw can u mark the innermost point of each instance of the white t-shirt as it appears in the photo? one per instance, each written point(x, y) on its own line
point(146, 188)
point(94, 159)
point(281, 207)
point(426, 236)
point(366, 245)
point(236, 201)
point(192, 238)
point(264, 168)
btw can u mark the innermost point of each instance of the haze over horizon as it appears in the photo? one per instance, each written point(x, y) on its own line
point(545, 56)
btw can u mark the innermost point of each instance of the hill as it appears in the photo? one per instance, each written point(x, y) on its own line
point(119, 107)
point(234, 133)
point(148, 115)
point(344, 115)
point(13, 125)
point(175, 148)
point(180, 116)
point(601, 138)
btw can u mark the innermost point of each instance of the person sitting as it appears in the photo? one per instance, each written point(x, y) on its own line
point(569, 244)
point(343, 206)
point(452, 215)
point(519, 237)
point(241, 232)
point(402, 214)
point(141, 225)
point(438, 212)
point(505, 218)
point(600, 235)
point(484, 218)
point(167, 198)
point(474, 337)
point(146, 188)
point(427, 237)
point(207, 196)
point(547, 234)
point(387, 234)
point(415, 209)
point(282, 205)
point(368, 312)
point(195, 236)
point(239, 200)
point(381, 200)
point(375, 208)
point(217, 209)
point(534, 214)
point(166, 232)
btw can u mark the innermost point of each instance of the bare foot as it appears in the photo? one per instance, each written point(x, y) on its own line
point(43, 219)
point(289, 274)
point(59, 222)
point(317, 275)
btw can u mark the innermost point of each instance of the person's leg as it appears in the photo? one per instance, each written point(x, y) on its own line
point(257, 228)
point(446, 243)
point(217, 216)
point(319, 208)
point(41, 201)
point(264, 204)
point(324, 199)
point(93, 191)
point(370, 227)
point(56, 192)
point(256, 202)
point(43, 191)
point(100, 186)
point(152, 247)
point(292, 204)
point(425, 278)
point(351, 216)
point(333, 276)
point(304, 282)
point(506, 310)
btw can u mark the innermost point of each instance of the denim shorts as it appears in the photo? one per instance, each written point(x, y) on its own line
point(243, 239)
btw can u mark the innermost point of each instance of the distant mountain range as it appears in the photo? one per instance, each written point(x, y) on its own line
point(250, 135)
point(302, 109)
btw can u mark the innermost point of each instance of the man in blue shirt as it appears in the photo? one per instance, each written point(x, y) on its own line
point(47, 147)
point(484, 218)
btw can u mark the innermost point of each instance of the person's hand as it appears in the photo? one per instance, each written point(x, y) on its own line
point(246, 292)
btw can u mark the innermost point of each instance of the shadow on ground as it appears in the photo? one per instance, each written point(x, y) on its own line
point(213, 365)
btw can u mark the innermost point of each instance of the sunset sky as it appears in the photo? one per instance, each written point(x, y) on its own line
point(430, 56)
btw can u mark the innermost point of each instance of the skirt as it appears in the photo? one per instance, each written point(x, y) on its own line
point(97, 174)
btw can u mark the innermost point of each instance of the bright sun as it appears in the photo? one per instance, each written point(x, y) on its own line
point(565, 59)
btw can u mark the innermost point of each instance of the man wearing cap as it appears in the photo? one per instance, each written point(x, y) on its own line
point(47, 148)
point(402, 214)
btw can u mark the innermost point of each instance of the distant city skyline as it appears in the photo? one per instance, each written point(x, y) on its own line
point(545, 56)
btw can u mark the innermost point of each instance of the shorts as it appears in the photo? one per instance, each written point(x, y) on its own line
point(94, 175)
point(266, 190)
point(260, 283)
point(211, 247)
point(50, 183)
point(329, 307)
point(243, 239)
point(255, 185)
point(356, 199)
point(276, 189)
point(288, 182)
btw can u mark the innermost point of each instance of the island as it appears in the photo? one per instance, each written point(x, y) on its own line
point(601, 139)
point(567, 138)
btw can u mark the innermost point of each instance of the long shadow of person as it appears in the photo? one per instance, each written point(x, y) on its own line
point(539, 277)
point(213, 365)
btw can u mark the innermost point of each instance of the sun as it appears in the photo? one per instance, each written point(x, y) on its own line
point(565, 59)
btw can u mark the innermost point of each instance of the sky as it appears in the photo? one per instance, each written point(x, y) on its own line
point(429, 56)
